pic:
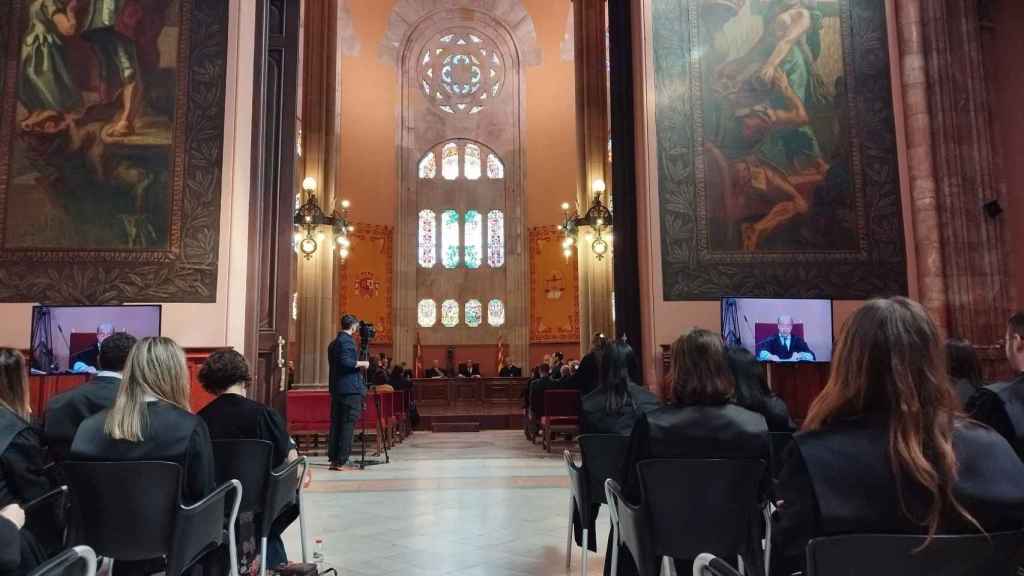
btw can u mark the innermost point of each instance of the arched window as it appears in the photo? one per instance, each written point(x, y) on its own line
point(472, 162)
point(450, 238)
point(426, 313)
point(495, 239)
point(450, 313)
point(473, 250)
point(450, 161)
point(427, 238)
point(474, 313)
point(496, 313)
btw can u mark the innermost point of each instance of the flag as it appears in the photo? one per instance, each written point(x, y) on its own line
point(417, 370)
point(501, 353)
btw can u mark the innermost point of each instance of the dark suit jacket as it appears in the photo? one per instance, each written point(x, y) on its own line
point(1001, 406)
point(839, 480)
point(234, 417)
point(595, 418)
point(22, 458)
point(343, 375)
point(587, 375)
point(66, 411)
point(964, 390)
point(774, 346)
point(511, 372)
point(171, 435)
point(89, 357)
point(435, 373)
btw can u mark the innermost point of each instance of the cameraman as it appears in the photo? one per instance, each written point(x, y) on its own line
point(347, 391)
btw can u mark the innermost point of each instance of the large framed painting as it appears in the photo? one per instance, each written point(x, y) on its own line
point(776, 149)
point(111, 142)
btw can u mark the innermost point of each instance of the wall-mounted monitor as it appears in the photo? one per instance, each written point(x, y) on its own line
point(779, 329)
point(67, 338)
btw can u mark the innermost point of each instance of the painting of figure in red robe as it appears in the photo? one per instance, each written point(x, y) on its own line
point(92, 129)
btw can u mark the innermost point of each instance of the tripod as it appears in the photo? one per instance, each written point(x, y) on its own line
point(364, 354)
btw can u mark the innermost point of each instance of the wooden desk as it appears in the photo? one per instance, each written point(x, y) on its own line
point(451, 392)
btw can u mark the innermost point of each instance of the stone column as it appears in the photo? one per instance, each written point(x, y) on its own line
point(318, 316)
point(592, 132)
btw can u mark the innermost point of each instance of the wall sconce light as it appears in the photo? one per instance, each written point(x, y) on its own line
point(309, 217)
point(597, 220)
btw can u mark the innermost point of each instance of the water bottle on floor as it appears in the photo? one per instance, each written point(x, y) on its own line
point(318, 555)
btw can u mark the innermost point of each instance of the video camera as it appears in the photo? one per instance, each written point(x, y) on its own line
point(366, 333)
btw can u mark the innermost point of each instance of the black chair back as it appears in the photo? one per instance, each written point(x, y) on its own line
point(77, 561)
point(996, 554)
point(717, 499)
point(124, 520)
point(603, 458)
point(633, 524)
point(46, 519)
point(778, 442)
point(282, 491)
point(247, 461)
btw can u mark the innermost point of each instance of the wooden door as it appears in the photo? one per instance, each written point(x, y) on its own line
point(272, 197)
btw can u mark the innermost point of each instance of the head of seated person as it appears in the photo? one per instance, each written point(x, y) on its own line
point(154, 372)
point(617, 401)
point(14, 394)
point(114, 352)
point(700, 371)
point(752, 391)
point(223, 372)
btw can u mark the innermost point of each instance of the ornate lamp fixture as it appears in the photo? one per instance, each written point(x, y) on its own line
point(309, 217)
point(597, 220)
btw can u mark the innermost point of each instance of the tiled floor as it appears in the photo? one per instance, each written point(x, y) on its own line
point(464, 504)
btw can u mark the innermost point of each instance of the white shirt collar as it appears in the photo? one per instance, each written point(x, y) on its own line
point(147, 397)
point(108, 374)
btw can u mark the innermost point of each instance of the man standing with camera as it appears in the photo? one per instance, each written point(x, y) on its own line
point(347, 391)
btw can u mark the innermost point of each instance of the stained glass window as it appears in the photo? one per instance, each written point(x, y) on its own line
point(474, 313)
point(428, 166)
point(450, 161)
point(450, 313)
point(496, 313)
point(450, 238)
point(471, 156)
point(472, 251)
point(460, 70)
point(495, 169)
point(427, 236)
point(426, 313)
point(495, 239)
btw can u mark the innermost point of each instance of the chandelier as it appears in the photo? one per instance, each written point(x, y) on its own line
point(309, 217)
point(597, 223)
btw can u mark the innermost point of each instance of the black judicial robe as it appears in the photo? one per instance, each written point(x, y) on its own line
point(19, 552)
point(234, 417)
point(839, 480)
point(1001, 406)
point(22, 458)
point(595, 418)
point(66, 411)
point(171, 435)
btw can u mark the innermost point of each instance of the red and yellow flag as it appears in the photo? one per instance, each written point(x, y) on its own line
point(417, 370)
point(501, 353)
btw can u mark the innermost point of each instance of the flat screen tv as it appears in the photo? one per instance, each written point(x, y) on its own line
point(67, 338)
point(779, 329)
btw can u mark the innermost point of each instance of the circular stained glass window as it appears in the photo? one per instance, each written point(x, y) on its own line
point(461, 71)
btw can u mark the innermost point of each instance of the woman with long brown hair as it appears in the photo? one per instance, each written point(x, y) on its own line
point(22, 456)
point(885, 449)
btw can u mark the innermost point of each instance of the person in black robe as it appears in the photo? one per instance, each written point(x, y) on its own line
point(588, 376)
point(956, 477)
point(64, 412)
point(1001, 405)
point(964, 369)
point(232, 416)
point(435, 371)
point(19, 552)
point(510, 370)
point(701, 421)
point(752, 390)
point(156, 383)
point(22, 456)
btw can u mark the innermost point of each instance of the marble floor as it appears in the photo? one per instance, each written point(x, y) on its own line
point(460, 504)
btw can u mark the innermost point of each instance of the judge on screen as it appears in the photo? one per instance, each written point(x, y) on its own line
point(784, 346)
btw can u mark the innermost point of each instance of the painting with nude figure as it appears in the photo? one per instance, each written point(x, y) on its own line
point(776, 156)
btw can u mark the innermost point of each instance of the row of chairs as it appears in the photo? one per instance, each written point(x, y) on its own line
point(132, 511)
point(559, 414)
point(309, 413)
point(708, 508)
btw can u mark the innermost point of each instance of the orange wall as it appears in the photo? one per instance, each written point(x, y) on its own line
point(368, 171)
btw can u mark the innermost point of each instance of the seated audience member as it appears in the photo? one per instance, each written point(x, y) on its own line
point(1001, 405)
point(397, 379)
point(22, 456)
point(435, 371)
point(464, 370)
point(565, 373)
point(616, 404)
point(150, 419)
point(66, 411)
point(232, 416)
point(474, 371)
point(963, 368)
point(510, 370)
point(952, 475)
point(87, 361)
point(701, 421)
point(19, 553)
point(752, 391)
point(588, 375)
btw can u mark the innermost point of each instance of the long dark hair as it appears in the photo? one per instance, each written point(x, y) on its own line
point(618, 357)
point(14, 382)
point(962, 362)
point(751, 388)
point(889, 360)
point(700, 374)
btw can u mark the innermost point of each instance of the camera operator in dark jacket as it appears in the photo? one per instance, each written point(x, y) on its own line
point(347, 390)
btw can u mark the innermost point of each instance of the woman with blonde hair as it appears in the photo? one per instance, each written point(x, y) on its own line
point(885, 448)
point(150, 419)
